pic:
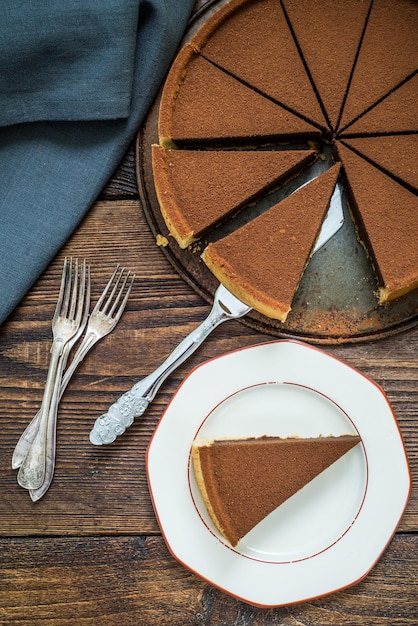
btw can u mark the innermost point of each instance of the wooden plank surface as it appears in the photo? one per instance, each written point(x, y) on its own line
point(91, 552)
point(104, 485)
point(108, 581)
point(92, 546)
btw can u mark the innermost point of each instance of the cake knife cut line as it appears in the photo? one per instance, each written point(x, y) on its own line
point(226, 306)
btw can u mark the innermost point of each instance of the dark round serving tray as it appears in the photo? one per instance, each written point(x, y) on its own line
point(335, 302)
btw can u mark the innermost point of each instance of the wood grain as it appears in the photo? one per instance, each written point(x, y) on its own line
point(134, 581)
point(91, 549)
point(91, 552)
point(102, 485)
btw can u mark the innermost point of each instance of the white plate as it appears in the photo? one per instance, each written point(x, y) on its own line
point(330, 534)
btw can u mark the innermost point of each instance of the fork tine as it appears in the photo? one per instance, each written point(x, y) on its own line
point(112, 295)
point(115, 303)
point(68, 289)
point(73, 290)
point(125, 299)
point(117, 290)
point(105, 291)
point(81, 291)
point(87, 297)
point(62, 291)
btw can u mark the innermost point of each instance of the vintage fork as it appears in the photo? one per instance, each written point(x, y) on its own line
point(26, 438)
point(66, 321)
point(133, 403)
point(103, 320)
point(225, 307)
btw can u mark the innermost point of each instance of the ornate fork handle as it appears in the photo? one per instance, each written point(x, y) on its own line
point(32, 470)
point(37, 493)
point(27, 437)
point(134, 402)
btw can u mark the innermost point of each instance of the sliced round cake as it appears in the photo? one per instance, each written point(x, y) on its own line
point(228, 113)
point(260, 74)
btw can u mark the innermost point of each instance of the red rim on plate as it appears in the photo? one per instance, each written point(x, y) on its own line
point(348, 546)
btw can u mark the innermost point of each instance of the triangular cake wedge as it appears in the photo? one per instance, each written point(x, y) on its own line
point(244, 480)
point(251, 40)
point(390, 34)
point(329, 35)
point(262, 262)
point(196, 189)
point(201, 104)
point(392, 154)
point(397, 113)
point(386, 216)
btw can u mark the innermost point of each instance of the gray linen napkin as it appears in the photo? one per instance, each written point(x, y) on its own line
point(75, 84)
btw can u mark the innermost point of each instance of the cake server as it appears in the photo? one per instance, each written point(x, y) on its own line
point(226, 306)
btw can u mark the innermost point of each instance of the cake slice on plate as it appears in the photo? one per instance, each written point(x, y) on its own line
point(196, 189)
point(262, 262)
point(202, 104)
point(386, 216)
point(243, 480)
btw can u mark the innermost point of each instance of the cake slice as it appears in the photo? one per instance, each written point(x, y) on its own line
point(202, 104)
point(262, 262)
point(395, 155)
point(329, 35)
point(397, 113)
point(386, 216)
point(388, 55)
point(251, 40)
point(243, 480)
point(196, 189)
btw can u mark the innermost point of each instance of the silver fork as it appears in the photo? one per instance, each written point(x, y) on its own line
point(65, 324)
point(103, 320)
point(226, 306)
point(133, 403)
point(26, 439)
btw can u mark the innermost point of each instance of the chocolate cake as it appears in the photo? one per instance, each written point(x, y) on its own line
point(227, 113)
point(251, 41)
point(261, 73)
point(328, 36)
point(286, 232)
point(387, 55)
point(390, 153)
point(243, 480)
point(398, 112)
point(390, 237)
point(198, 188)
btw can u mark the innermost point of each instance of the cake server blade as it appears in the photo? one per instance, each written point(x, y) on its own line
point(226, 306)
point(333, 221)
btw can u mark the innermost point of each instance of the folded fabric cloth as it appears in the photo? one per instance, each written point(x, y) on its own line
point(55, 163)
point(66, 60)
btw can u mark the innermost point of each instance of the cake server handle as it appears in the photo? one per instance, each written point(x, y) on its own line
point(225, 306)
point(134, 402)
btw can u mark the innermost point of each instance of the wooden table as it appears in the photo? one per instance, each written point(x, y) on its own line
point(91, 552)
